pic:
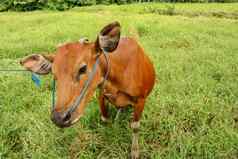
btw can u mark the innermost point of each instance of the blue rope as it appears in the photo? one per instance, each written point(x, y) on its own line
point(35, 78)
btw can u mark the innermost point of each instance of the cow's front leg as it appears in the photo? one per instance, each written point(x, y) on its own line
point(135, 125)
point(103, 108)
point(135, 140)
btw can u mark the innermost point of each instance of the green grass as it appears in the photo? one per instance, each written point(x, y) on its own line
point(191, 113)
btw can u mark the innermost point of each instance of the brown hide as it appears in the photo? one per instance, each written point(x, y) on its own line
point(131, 74)
point(131, 71)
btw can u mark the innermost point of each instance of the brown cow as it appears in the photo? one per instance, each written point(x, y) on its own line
point(130, 78)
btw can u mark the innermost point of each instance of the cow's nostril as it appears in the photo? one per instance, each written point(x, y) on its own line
point(67, 117)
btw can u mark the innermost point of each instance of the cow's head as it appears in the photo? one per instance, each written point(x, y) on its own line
point(71, 65)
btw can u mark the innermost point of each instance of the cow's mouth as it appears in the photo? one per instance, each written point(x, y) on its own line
point(75, 120)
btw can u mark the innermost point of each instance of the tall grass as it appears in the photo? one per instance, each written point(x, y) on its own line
point(191, 113)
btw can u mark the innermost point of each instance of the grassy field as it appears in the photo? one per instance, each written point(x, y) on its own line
point(192, 112)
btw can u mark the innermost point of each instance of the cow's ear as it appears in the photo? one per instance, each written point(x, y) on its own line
point(39, 64)
point(109, 37)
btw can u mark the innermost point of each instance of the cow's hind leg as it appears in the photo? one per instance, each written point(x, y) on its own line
point(138, 108)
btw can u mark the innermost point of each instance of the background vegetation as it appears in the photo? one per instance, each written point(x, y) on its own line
point(191, 113)
point(29, 5)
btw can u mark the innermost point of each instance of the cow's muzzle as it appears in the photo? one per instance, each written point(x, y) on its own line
point(60, 119)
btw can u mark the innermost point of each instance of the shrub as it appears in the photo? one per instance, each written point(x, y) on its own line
point(29, 5)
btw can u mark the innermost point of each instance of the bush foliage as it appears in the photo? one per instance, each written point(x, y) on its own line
point(29, 5)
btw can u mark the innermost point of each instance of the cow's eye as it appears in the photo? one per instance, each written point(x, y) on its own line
point(82, 70)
